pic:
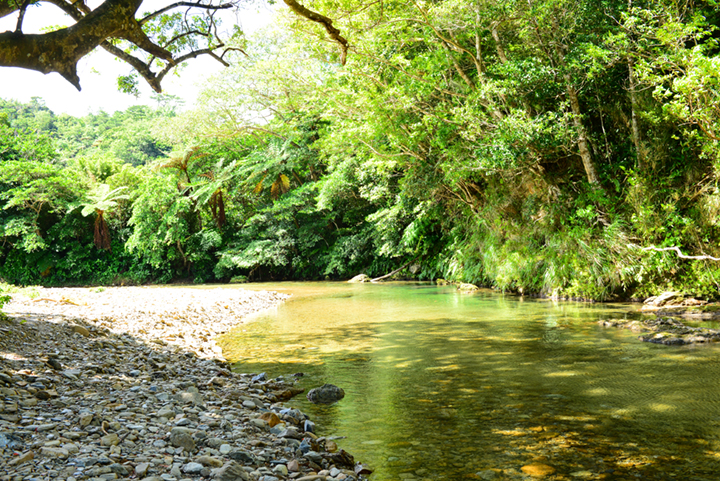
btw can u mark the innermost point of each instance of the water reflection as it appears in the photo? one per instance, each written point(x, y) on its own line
point(447, 386)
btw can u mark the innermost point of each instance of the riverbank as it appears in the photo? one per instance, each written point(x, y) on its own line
point(127, 383)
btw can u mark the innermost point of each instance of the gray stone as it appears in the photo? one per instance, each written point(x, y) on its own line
point(179, 429)
point(142, 469)
point(291, 432)
point(175, 471)
point(86, 419)
point(71, 448)
point(309, 426)
point(54, 452)
point(214, 442)
point(242, 457)
point(182, 440)
point(231, 471)
point(314, 457)
point(72, 373)
point(166, 412)
point(9, 441)
point(188, 398)
point(260, 423)
point(119, 469)
point(192, 468)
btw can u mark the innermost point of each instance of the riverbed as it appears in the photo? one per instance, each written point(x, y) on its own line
point(444, 385)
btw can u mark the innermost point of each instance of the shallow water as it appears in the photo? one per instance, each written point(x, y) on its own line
point(442, 385)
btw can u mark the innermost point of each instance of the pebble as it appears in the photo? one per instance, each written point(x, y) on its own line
point(136, 390)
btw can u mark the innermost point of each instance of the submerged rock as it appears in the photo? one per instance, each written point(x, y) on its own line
point(538, 470)
point(666, 331)
point(468, 287)
point(325, 394)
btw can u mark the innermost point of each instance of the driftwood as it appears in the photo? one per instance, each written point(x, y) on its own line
point(61, 301)
point(393, 272)
point(677, 250)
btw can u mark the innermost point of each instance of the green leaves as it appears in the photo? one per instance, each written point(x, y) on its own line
point(102, 199)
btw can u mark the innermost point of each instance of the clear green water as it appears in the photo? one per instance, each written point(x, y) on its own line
point(446, 386)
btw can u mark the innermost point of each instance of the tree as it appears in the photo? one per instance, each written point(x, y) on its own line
point(99, 201)
point(31, 192)
point(153, 44)
point(210, 189)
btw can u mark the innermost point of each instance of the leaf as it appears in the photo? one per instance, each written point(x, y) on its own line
point(285, 182)
point(87, 210)
point(259, 187)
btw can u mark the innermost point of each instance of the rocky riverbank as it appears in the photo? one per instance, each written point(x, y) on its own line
point(127, 383)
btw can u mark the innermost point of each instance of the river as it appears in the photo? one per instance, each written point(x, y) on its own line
point(442, 385)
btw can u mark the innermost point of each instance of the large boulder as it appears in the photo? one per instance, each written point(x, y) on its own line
point(665, 298)
point(670, 300)
point(360, 278)
point(325, 394)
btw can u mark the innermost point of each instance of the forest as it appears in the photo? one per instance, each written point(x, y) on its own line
point(544, 147)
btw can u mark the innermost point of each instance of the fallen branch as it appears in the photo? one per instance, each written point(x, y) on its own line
point(393, 272)
point(61, 301)
point(677, 250)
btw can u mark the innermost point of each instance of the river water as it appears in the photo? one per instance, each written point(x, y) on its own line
point(442, 385)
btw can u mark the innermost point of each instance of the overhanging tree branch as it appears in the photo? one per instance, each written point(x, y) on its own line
point(333, 32)
point(141, 43)
point(150, 16)
point(60, 51)
point(676, 250)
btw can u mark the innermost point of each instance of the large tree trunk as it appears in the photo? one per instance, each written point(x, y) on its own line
point(572, 93)
point(583, 147)
point(636, 135)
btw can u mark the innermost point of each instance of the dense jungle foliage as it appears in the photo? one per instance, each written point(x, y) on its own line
point(537, 146)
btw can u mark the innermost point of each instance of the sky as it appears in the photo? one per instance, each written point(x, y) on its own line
point(99, 71)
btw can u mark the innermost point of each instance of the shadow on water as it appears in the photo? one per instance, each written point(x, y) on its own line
point(445, 386)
